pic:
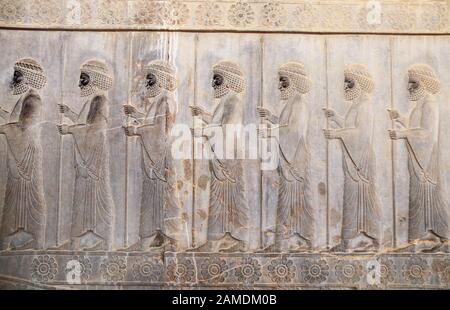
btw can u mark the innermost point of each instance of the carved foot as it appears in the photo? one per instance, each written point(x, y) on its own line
point(409, 248)
point(292, 244)
point(362, 243)
point(27, 246)
point(160, 242)
point(66, 246)
point(99, 246)
point(430, 243)
point(227, 243)
point(339, 248)
point(136, 247)
point(297, 243)
point(444, 247)
point(273, 248)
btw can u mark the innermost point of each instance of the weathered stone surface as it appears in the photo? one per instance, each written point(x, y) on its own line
point(122, 184)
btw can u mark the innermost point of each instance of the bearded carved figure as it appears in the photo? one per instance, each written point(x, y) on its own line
point(24, 205)
point(428, 210)
point(294, 217)
point(159, 207)
point(228, 209)
point(93, 204)
point(361, 206)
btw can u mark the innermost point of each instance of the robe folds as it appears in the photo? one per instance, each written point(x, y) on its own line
point(294, 209)
point(361, 207)
point(428, 210)
point(228, 209)
point(159, 207)
point(24, 204)
point(93, 203)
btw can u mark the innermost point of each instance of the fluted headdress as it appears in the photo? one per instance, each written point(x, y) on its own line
point(100, 77)
point(33, 73)
point(165, 76)
point(298, 77)
point(426, 75)
point(233, 78)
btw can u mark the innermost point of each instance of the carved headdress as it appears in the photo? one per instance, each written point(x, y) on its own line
point(100, 77)
point(298, 77)
point(34, 76)
point(233, 78)
point(361, 75)
point(165, 77)
point(427, 78)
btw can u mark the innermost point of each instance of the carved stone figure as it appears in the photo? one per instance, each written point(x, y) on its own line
point(228, 209)
point(294, 219)
point(23, 222)
point(428, 210)
point(158, 203)
point(361, 207)
point(93, 204)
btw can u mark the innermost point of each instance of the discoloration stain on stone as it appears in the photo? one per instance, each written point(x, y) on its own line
point(179, 184)
point(202, 214)
point(335, 217)
point(202, 182)
point(187, 169)
point(322, 188)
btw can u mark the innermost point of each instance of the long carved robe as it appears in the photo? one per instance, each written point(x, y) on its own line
point(294, 212)
point(92, 199)
point(361, 205)
point(228, 210)
point(428, 211)
point(24, 206)
point(158, 202)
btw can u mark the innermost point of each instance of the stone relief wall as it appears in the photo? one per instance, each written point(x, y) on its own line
point(93, 194)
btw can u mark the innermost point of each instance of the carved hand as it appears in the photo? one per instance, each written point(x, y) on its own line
point(393, 114)
point(63, 109)
point(196, 111)
point(130, 130)
point(330, 134)
point(396, 134)
point(264, 113)
point(197, 132)
point(263, 132)
point(129, 109)
point(329, 113)
point(63, 129)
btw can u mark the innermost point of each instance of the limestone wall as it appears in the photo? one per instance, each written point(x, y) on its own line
point(391, 188)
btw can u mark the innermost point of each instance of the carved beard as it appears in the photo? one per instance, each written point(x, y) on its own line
point(221, 91)
point(352, 93)
point(287, 92)
point(87, 90)
point(417, 94)
point(20, 88)
point(153, 91)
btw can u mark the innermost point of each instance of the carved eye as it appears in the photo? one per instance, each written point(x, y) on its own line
point(349, 83)
point(413, 84)
point(18, 77)
point(151, 79)
point(84, 79)
point(284, 82)
point(217, 80)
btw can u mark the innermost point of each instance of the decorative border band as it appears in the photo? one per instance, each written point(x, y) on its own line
point(332, 16)
point(202, 270)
